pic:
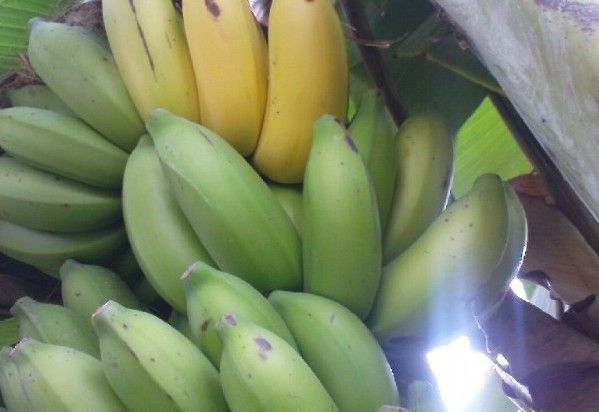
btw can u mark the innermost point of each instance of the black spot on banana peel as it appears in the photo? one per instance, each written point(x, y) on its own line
point(212, 7)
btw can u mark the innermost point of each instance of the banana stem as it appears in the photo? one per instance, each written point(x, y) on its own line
point(373, 60)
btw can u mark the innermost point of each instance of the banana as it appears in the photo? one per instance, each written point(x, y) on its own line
point(261, 372)
point(427, 291)
point(42, 201)
point(492, 292)
point(54, 324)
point(308, 77)
point(40, 96)
point(151, 366)
point(374, 133)
point(76, 64)
point(290, 197)
point(62, 145)
point(340, 350)
point(149, 47)
point(87, 287)
point(230, 59)
point(162, 240)
point(13, 394)
point(180, 322)
point(47, 251)
point(424, 176)
point(339, 197)
point(212, 294)
point(232, 210)
point(57, 378)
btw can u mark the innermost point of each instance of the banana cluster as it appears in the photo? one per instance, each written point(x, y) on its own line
point(189, 160)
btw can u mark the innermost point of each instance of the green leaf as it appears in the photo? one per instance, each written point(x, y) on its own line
point(9, 332)
point(422, 84)
point(14, 15)
point(484, 144)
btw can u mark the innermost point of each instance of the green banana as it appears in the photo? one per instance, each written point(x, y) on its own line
point(290, 197)
point(47, 251)
point(426, 292)
point(77, 65)
point(162, 240)
point(42, 201)
point(62, 145)
point(180, 322)
point(54, 324)
point(40, 96)
point(13, 393)
point(211, 294)
point(340, 350)
point(153, 367)
point(492, 292)
point(374, 133)
point(424, 176)
point(232, 210)
point(341, 232)
point(57, 378)
point(87, 287)
point(127, 268)
point(261, 372)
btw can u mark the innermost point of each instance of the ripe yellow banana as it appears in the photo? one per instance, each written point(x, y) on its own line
point(230, 60)
point(149, 47)
point(308, 77)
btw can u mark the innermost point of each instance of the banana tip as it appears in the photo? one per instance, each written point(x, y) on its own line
point(34, 22)
point(103, 309)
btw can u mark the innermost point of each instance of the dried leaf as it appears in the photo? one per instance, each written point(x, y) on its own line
point(556, 247)
point(549, 365)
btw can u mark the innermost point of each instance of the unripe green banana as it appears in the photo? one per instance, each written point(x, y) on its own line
point(40, 96)
point(427, 291)
point(290, 197)
point(180, 322)
point(232, 210)
point(77, 65)
point(261, 372)
point(54, 324)
point(43, 201)
point(374, 133)
point(162, 239)
point(87, 287)
point(340, 350)
point(47, 251)
point(424, 176)
point(57, 378)
point(13, 394)
point(212, 294)
point(62, 145)
point(492, 292)
point(341, 234)
point(153, 367)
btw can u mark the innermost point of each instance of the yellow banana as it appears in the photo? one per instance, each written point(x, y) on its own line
point(148, 43)
point(308, 77)
point(230, 58)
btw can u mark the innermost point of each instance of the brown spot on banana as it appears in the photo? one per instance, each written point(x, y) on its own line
point(142, 36)
point(212, 7)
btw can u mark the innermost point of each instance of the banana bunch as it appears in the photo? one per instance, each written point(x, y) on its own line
point(137, 175)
